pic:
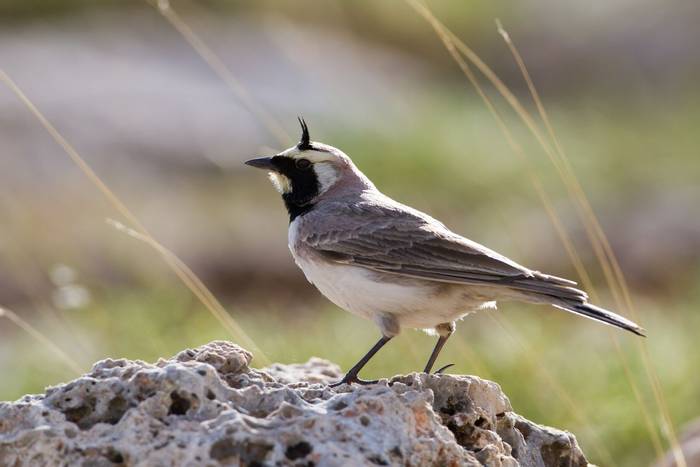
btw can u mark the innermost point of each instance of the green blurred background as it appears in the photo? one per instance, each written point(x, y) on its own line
point(619, 79)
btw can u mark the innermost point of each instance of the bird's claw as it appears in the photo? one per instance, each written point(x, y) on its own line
point(442, 369)
point(350, 379)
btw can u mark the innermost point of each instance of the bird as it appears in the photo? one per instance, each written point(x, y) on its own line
point(393, 264)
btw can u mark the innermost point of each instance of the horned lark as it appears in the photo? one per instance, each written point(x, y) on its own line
point(393, 264)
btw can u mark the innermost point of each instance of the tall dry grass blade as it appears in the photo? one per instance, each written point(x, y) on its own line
point(72, 153)
point(221, 70)
point(449, 44)
point(605, 246)
point(447, 35)
point(518, 151)
point(36, 334)
point(25, 269)
point(183, 272)
point(580, 194)
point(449, 41)
point(532, 175)
point(201, 292)
point(556, 162)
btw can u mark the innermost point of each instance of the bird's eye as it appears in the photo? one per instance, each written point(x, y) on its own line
point(303, 164)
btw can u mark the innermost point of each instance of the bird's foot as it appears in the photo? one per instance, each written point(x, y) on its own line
point(442, 369)
point(350, 379)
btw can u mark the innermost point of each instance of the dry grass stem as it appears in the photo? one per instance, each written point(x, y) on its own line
point(181, 270)
point(40, 337)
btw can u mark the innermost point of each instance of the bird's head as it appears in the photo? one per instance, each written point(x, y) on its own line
point(308, 171)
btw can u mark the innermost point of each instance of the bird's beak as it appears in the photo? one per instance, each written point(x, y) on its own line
point(261, 163)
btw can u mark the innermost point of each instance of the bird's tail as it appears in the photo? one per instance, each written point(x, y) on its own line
point(604, 316)
point(560, 293)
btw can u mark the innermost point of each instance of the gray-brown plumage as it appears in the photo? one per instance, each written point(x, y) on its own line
point(390, 263)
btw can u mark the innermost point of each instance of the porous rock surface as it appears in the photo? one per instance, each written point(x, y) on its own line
point(206, 406)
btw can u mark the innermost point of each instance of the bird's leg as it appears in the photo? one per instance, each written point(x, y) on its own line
point(351, 376)
point(445, 330)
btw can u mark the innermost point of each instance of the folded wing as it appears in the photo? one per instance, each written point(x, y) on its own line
point(396, 239)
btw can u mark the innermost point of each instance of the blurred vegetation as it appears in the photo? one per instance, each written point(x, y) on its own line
point(629, 132)
point(580, 357)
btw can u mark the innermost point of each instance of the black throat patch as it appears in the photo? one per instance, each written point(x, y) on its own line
point(304, 186)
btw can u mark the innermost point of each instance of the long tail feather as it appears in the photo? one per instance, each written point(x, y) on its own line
point(603, 316)
point(559, 292)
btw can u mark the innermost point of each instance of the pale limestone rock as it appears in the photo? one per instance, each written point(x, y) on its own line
point(205, 406)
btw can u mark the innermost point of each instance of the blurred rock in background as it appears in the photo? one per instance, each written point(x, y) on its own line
point(168, 135)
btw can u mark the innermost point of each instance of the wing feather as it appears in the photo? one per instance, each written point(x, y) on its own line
point(396, 239)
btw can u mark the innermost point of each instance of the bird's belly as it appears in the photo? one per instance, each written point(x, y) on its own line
point(356, 290)
point(363, 292)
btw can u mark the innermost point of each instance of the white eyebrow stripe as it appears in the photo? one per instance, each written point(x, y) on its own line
point(318, 153)
point(313, 155)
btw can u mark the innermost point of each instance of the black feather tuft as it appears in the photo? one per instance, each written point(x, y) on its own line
point(305, 141)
